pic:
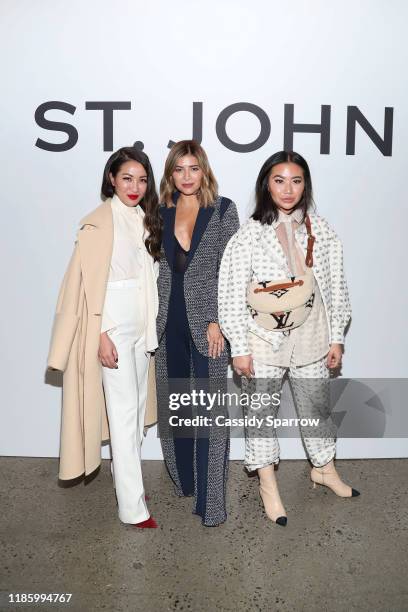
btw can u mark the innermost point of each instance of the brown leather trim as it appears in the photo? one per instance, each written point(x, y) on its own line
point(279, 286)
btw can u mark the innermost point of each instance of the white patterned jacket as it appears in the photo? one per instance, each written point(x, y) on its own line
point(254, 254)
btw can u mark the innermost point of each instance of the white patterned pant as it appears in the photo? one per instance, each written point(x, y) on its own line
point(310, 389)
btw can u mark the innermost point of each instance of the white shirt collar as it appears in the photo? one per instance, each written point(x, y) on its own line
point(129, 211)
point(297, 216)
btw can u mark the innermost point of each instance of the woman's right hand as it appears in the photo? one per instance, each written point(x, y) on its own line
point(107, 353)
point(244, 365)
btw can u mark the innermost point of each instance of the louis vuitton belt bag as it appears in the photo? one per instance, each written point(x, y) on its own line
point(285, 304)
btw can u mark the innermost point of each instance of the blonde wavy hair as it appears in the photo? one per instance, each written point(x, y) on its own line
point(209, 188)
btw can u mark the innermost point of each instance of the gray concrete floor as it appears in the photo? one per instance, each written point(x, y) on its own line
point(334, 555)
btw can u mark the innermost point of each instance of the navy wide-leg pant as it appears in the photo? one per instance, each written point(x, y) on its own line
point(196, 458)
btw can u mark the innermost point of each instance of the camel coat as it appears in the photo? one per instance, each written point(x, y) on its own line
point(75, 343)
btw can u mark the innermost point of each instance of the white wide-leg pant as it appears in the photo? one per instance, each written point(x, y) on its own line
point(125, 393)
point(311, 395)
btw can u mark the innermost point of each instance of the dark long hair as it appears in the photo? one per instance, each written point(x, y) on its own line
point(150, 202)
point(266, 210)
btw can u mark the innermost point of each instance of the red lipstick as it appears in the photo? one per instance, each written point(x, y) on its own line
point(133, 196)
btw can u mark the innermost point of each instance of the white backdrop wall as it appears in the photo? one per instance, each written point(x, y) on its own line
point(160, 57)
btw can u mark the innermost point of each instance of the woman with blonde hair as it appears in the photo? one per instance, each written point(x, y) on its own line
point(192, 353)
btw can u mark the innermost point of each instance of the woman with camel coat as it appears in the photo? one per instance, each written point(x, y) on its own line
point(104, 332)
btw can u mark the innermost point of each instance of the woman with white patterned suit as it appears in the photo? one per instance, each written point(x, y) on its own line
point(274, 244)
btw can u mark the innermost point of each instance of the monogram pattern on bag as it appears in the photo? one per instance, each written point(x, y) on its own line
point(282, 320)
point(278, 293)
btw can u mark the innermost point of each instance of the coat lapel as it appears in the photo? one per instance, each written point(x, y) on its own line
point(169, 218)
point(95, 239)
point(203, 218)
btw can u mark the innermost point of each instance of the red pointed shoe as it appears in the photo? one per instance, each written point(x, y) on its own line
point(149, 523)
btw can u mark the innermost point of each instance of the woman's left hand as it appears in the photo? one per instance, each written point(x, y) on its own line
point(215, 340)
point(334, 356)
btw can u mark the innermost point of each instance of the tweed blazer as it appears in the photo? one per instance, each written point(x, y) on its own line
point(255, 254)
point(214, 227)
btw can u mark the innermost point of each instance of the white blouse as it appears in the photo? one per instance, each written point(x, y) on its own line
point(128, 245)
point(130, 259)
point(285, 227)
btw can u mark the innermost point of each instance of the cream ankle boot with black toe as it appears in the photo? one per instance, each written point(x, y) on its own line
point(327, 476)
point(268, 490)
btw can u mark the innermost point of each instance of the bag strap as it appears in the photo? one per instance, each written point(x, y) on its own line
point(310, 243)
